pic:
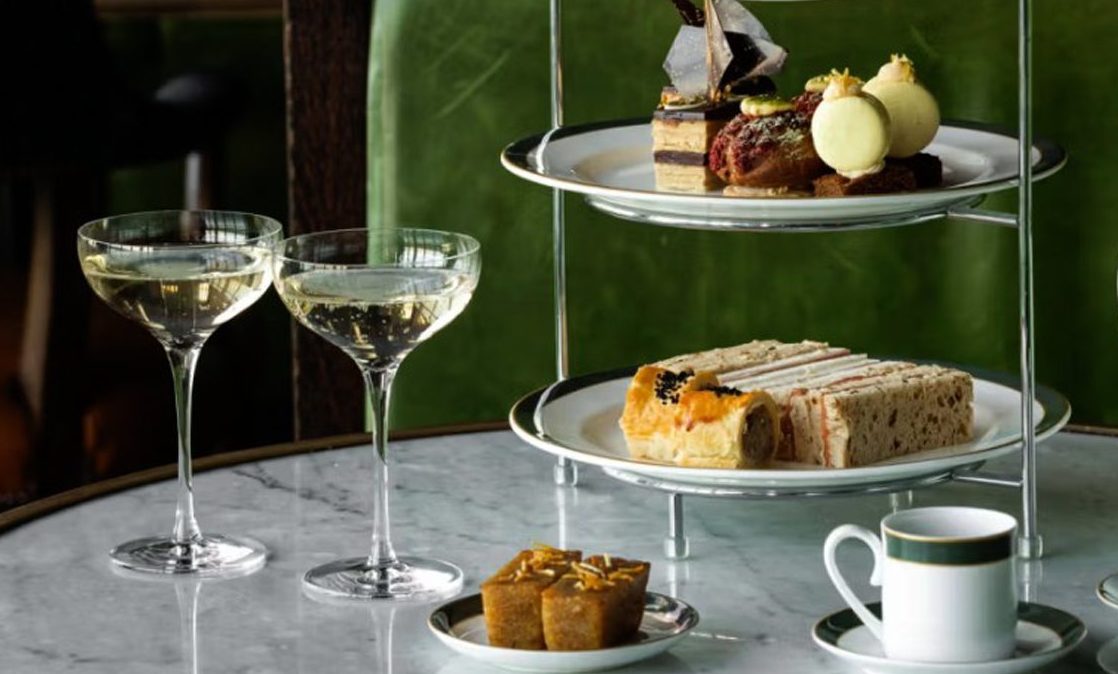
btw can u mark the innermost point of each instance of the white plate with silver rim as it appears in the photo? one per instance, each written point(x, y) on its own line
point(578, 419)
point(611, 163)
point(460, 624)
point(1044, 635)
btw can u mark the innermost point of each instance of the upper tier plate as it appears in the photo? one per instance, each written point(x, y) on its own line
point(577, 419)
point(611, 163)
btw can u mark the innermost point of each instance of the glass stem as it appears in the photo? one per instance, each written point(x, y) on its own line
point(183, 360)
point(379, 385)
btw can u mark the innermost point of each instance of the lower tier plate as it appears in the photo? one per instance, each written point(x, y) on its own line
point(578, 419)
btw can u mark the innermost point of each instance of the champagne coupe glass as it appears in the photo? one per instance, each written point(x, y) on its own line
point(376, 294)
point(181, 274)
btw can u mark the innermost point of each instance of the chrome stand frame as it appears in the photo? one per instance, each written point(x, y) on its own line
point(565, 472)
point(1030, 544)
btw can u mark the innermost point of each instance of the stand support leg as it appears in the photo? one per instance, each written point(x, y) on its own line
point(901, 500)
point(1030, 545)
point(1030, 573)
point(676, 545)
point(565, 472)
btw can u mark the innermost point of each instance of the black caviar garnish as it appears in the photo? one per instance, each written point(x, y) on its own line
point(668, 383)
point(723, 391)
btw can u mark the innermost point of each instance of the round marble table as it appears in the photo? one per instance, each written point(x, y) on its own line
point(755, 573)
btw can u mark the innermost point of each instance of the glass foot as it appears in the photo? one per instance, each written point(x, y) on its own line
point(409, 579)
point(212, 555)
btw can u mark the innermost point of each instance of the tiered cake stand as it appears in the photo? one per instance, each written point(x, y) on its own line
point(610, 164)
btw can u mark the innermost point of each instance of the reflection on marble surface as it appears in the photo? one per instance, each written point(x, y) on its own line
point(755, 575)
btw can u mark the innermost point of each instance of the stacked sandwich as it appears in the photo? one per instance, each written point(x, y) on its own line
point(747, 405)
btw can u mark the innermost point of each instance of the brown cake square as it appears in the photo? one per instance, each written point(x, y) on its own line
point(598, 605)
point(893, 178)
point(926, 168)
point(512, 597)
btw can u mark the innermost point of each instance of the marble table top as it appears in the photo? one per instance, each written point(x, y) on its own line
point(755, 574)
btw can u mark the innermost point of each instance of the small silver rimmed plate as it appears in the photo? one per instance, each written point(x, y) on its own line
point(460, 624)
point(1044, 635)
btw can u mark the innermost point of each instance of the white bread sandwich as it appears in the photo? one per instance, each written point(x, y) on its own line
point(832, 408)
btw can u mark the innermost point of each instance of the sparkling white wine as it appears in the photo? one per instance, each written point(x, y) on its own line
point(376, 315)
point(180, 294)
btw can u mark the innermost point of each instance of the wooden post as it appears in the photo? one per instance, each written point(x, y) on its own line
point(326, 57)
point(53, 359)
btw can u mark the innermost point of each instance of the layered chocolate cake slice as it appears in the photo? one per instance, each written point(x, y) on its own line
point(681, 138)
point(721, 54)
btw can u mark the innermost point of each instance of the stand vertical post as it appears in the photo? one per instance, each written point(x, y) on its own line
point(566, 471)
point(1030, 544)
point(676, 546)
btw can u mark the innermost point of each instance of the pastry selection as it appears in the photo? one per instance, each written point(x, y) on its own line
point(839, 137)
point(547, 598)
point(825, 406)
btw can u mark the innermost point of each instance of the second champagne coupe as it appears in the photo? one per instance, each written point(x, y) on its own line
point(376, 294)
point(181, 274)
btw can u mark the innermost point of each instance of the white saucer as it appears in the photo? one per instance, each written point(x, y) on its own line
point(1044, 634)
point(460, 624)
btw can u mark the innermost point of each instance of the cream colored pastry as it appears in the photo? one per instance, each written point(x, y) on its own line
point(850, 128)
point(913, 111)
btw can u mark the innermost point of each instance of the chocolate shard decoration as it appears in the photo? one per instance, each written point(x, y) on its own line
point(733, 43)
point(691, 15)
point(718, 54)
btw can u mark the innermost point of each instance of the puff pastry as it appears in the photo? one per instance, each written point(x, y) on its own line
point(689, 420)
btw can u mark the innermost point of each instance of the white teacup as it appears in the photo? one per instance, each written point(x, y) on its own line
point(948, 584)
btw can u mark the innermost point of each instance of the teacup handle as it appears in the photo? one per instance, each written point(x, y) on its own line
point(837, 536)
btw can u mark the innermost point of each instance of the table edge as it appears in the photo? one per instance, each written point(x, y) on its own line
point(28, 512)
